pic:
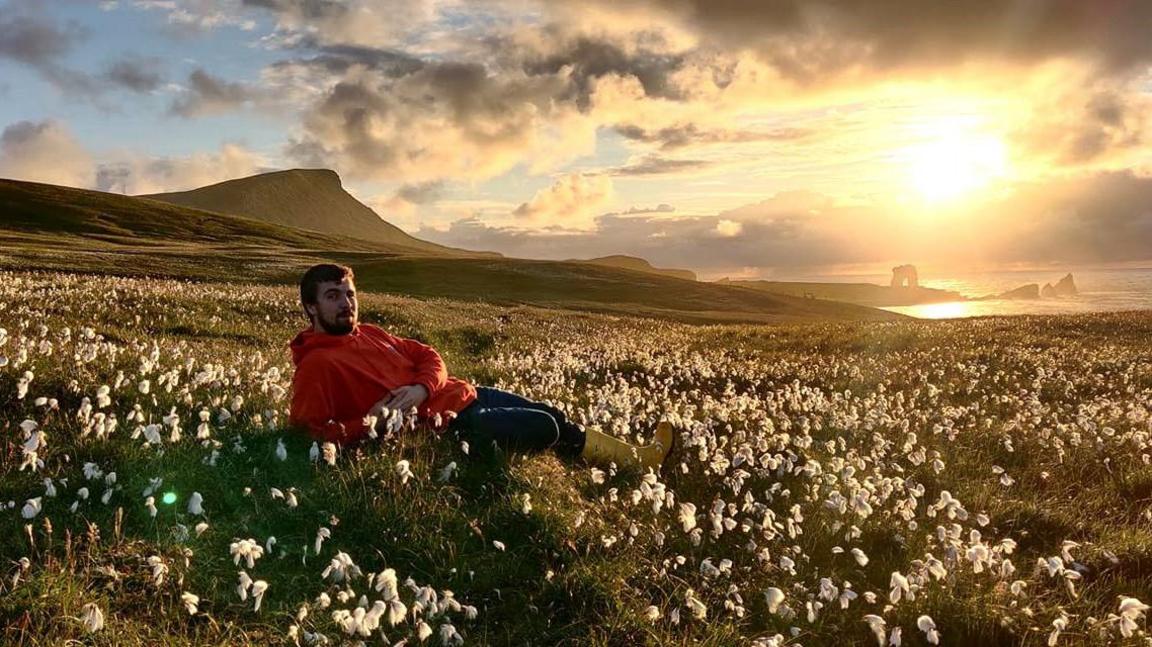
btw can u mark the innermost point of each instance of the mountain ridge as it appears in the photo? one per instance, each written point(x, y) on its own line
point(309, 199)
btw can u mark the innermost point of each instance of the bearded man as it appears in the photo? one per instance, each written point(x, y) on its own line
point(348, 372)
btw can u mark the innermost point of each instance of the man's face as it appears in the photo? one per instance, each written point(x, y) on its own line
point(335, 308)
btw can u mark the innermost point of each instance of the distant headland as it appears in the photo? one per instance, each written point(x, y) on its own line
point(904, 289)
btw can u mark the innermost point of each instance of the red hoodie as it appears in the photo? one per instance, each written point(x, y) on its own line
point(339, 377)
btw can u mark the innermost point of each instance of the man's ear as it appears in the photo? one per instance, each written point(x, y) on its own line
point(308, 312)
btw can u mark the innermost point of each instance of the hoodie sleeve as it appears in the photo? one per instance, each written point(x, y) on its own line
point(431, 372)
point(312, 409)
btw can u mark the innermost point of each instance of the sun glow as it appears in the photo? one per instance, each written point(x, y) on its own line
point(955, 165)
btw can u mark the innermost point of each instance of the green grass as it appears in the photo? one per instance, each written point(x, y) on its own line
point(825, 395)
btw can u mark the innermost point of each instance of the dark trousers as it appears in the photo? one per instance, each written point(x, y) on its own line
point(515, 423)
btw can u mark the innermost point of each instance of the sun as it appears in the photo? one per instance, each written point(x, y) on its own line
point(954, 166)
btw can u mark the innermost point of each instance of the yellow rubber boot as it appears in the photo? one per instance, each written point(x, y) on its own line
point(603, 449)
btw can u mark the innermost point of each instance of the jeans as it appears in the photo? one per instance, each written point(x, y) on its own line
point(515, 423)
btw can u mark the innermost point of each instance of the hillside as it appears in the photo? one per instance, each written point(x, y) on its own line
point(309, 199)
point(58, 228)
point(636, 264)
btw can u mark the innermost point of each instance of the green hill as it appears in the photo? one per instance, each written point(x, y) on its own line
point(637, 264)
point(58, 228)
point(309, 199)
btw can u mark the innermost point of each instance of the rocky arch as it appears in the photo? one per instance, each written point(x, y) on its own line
point(905, 275)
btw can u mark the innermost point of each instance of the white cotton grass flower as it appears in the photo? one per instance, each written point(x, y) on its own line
point(1059, 625)
point(247, 549)
point(200, 528)
point(258, 589)
point(314, 452)
point(32, 507)
point(403, 471)
point(928, 626)
point(328, 450)
point(449, 635)
point(859, 556)
point(281, 450)
point(159, 570)
point(498, 545)
point(652, 613)
point(244, 583)
point(321, 535)
point(1131, 610)
point(191, 602)
point(878, 627)
point(92, 617)
point(340, 568)
point(150, 503)
point(423, 631)
point(196, 504)
point(774, 597)
point(447, 472)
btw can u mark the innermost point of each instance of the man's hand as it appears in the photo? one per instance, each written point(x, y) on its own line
point(405, 398)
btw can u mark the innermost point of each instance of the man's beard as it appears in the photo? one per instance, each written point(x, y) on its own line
point(338, 327)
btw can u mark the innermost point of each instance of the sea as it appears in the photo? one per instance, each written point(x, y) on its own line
point(1100, 290)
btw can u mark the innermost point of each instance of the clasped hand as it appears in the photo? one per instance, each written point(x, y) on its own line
point(402, 398)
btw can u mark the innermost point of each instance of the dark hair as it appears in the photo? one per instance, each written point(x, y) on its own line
point(317, 274)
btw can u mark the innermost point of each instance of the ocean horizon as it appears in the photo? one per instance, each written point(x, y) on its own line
point(1100, 290)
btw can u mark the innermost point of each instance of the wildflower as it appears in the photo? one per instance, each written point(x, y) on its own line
point(321, 535)
point(423, 631)
point(159, 569)
point(281, 450)
point(196, 504)
point(200, 527)
point(928, 626)
point(498, 545)
point(258, 589)
point(403, 471)
point(329, 452)
point(877, 625)
point(190, 601)
point(32, 508)
point(1131, 610)
point(248, 550)
point(92, 617)
point(860, 557)
point(1058, 625)
point(446, 472)
point(652, 613)
point(774, 597)
point(244, 583)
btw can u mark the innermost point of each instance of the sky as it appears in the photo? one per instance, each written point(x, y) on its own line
point(740, 138)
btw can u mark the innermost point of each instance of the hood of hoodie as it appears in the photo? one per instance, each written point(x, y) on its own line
point(308, 340)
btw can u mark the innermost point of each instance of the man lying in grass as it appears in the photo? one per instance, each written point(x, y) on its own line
point(348, 372)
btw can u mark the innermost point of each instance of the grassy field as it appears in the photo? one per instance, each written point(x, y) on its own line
point(988, 477)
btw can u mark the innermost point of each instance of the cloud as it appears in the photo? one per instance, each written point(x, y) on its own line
point(136, 74)
point(351, 22)
point(811, 40)
point(681, 135)
point(571, 202)
point(208, 95)
point(44, 151)
point(655, 165)
point(136, 174)
point(444, 120)
point(1102, 218)
point(33, 40)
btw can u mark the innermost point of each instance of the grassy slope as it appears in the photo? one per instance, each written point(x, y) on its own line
point(58, 228)
point(308, 199)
